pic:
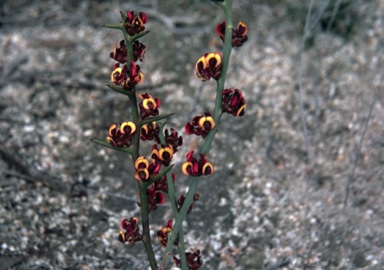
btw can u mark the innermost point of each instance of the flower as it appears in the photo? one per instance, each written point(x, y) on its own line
point(138, 51)
point(200, 125)
point(134, 24)
point(233, 102)
point(130, 232)
point(172, 138)
point(163, 155)
point(239, 35)
point(194, 167)
point(163, 234)
point(149, 106)
point(118, 74)
point(122, 135)
point(162, 184)
point(209, 66)
point(120, 53)
point(149, 132)
point(154, 198)
point(193, 259)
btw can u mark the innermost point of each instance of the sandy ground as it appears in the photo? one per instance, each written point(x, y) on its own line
point(280, 198)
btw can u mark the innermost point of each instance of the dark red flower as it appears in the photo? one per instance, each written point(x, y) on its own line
point(149, 132)
point(163, 234)
point(122, 135)
point(172, 138)
point(194, 167)
point(138, 51)
point(233, 102)
point(181, 200)
point(239, 35)
point(134, 24)
point(193, 259)
point(162, 184)
point(200, 125)
point(130, 232)
point(128, 79)
point(154, 198)
point(120, 53)
point(209, 66)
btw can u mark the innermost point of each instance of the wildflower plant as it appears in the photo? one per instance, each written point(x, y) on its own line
point(153, 173)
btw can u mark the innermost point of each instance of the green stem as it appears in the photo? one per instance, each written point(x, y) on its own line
point(145, 223)
point(135, 154)
point(179, 222)
point(227, 8)
point(172, 199)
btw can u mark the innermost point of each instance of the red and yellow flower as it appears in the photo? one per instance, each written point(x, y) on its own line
point(130, 232)
point(209, 66)
point(200, 125)
point(121, 135)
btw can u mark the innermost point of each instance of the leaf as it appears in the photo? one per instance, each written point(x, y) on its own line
point(155, 118)
point(112, 26)
point(137, 36)
point(119, 89)
point(108, 145)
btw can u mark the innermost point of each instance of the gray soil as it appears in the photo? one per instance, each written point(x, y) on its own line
point(282, 197)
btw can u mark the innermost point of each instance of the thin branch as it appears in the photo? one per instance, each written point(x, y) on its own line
point(301, 91)
point(27, 172)
point(267, 144)
point(333, 16)
point(279, 264)
point(357, 153)
point(317, 116)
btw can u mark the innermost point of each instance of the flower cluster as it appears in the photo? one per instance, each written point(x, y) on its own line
point(149, 106)
point(194, 167)
point(120, 53)
point(134, 24)
point(233, 102)
point(144, 170)
point(126, 75)
point(200, 125)
point(127, 78)
point(193, 259)
point(130, 232)
point(209, 66)
point(121, 136)
point(181, 200)
point(163, 234)
point(239, 35)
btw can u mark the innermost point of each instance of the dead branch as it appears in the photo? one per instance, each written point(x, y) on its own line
point(26, 171)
